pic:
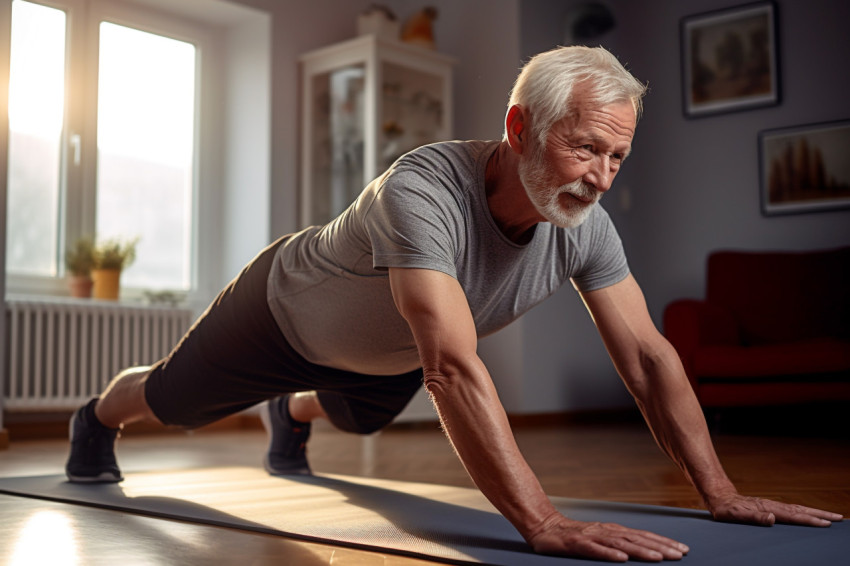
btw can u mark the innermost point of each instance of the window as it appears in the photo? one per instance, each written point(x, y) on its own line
point(36, 112)
point(145, 140)
point(136, 178)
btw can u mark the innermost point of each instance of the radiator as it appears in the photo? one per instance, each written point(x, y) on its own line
point(59, 354)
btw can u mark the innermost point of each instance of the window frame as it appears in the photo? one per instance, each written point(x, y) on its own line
point(78, 182)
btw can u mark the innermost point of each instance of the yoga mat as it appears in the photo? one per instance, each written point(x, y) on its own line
point(441, 523)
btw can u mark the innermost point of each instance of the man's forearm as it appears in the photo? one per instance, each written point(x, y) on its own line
point(678, 425)
point(478, 428)
point(437, 311)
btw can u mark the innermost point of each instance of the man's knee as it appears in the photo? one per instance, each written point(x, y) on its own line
point(352, 416)
point(365, 426)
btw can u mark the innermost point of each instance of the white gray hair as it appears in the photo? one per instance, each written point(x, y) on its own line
point(545, 85)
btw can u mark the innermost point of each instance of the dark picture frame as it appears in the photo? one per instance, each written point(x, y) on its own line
point(730, 60)
point(805, 168)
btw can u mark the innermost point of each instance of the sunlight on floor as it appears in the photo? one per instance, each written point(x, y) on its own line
point(46, 537)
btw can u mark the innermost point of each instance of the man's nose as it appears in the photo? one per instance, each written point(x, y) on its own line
point(600, 174)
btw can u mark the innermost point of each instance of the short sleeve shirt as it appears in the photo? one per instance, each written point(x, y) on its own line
point(329, 286)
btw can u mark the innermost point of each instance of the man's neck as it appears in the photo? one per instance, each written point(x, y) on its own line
point(507, 200)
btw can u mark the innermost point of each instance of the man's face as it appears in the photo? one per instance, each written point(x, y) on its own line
point(583, 154)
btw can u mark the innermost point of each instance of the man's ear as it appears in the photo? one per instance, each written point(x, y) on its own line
point(515, 128)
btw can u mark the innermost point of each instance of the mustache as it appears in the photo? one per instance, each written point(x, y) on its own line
point(581, 190)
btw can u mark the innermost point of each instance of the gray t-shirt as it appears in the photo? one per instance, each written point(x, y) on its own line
point(329, 287)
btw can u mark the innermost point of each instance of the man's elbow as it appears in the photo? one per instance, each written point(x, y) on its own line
point(436, 383)
point(656, 367)
point(451, 374)
point(441, 378)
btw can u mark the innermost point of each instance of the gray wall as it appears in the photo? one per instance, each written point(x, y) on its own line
point(297, 27)
point(6, 35)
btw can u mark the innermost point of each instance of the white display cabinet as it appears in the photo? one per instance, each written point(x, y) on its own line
point(365, 102)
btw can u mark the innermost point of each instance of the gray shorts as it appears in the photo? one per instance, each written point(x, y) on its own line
point(235, 356)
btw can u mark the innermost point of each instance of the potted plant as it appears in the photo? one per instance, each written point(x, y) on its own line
point(79, 261)
point(110, 258)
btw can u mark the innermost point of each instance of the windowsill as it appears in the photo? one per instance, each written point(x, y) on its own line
point(56, 291)
point(92, 302)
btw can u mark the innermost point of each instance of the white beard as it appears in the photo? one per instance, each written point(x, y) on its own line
point(567, 212)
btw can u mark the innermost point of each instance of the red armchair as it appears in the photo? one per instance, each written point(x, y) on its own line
point(774, 328)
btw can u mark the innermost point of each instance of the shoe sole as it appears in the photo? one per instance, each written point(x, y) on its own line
point(300, 471)
point(104, 477)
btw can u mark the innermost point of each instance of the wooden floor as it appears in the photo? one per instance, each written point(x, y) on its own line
point(615, 461)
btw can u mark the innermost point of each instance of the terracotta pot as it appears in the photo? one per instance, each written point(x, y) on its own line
point(107, 283)
point(80, 286)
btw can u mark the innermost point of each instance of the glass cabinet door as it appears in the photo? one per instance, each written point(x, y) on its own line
point(412, 112)
point(337, 122)
point(366, 103)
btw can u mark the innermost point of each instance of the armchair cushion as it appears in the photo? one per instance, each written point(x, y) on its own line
point(825, 356)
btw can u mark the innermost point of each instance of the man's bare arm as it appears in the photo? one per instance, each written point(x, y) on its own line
point(470, 411)
point(653, 372)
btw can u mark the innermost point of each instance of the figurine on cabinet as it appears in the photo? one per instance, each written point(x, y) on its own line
point(419, 28)
point(378, 20)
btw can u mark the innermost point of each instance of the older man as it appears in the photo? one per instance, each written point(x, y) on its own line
point(453, 242)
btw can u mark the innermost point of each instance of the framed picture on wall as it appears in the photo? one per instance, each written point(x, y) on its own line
point(805, 168)
point(729, 60)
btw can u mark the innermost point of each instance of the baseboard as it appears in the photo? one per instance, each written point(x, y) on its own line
point(545, 420)
point(34, 426)
point(55, 425)
point(584, 416)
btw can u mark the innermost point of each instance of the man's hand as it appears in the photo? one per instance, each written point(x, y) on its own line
point(736, 508)
point(603, 541)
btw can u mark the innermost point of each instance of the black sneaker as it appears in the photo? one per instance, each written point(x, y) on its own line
point(287, 453)
point(92, 458)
